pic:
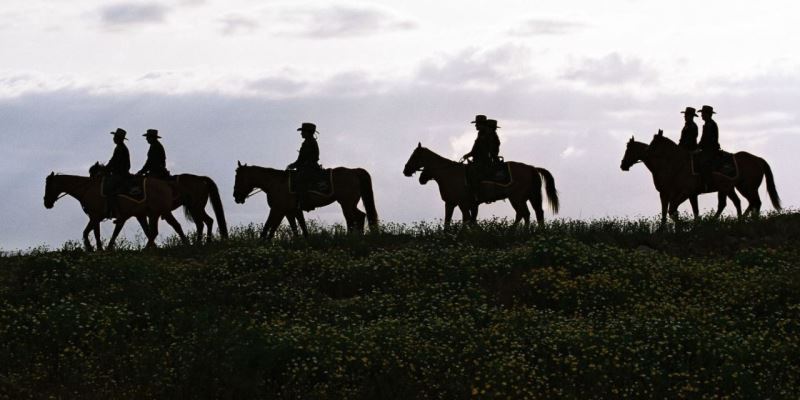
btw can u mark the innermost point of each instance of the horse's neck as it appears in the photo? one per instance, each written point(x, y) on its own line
point(436, 161)
point(74, 185)
point(665, 165)
point(266, 178)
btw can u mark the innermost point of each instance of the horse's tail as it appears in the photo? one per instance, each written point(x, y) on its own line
point(771, 189)
point(216, 204)
point(365, 184)
point(550, 189)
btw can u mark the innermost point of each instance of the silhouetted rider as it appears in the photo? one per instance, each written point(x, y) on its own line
point(709, 144)
point(689, 132)
point(493, 140)
point(480, 155)
point(156, 164)
point(117, 170)
point(307, 163)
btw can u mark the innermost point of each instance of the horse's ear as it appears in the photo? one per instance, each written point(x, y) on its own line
point(660, 132)
point(631, 141)
point(52, 173)
point(239, 162)
point(419, 144)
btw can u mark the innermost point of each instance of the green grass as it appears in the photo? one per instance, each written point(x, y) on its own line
point(575, 309)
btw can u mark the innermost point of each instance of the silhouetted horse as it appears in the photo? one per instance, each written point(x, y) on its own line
point(636, 152)
point(451, 178)
point(87, 190)
point(349, 186)
point(193, 193)
point(675, 181)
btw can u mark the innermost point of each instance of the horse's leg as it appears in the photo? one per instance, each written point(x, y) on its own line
point(736, 203)
point(695, 208)
point(536, 203)
point(301, 220)
point(96, 228)
point(209, 225)
point(292, 224)
point(664, 206)
point(465, 214)
point(521, 208)
point(473, 211)
point(448, 214)
point(271, 225)
point(722, 201)
point(176, 226)
point(151, 243)
point(89, 228)
point(118, 224)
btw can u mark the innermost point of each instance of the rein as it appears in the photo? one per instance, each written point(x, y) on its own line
point(257, 191)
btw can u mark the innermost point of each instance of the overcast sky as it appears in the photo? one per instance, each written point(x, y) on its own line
point(569, 81)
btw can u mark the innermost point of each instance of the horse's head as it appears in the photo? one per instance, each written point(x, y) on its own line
point(243, 184)
point(415, 162)
point(425, 176)
point(97, 169)
point(634, 152)
point(50, 191)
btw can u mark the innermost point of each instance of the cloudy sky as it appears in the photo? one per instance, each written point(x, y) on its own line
point(569, 81)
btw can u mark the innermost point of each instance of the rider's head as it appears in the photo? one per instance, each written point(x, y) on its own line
point(119, 135)
point(490, 125)
point(479, 121)
point(706, 112)
point(689, 114)
point(307, 130)
point(151, 135)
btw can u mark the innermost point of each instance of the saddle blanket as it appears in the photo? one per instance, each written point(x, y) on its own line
point(320, 183)
point(133, 189)
point(723, 163)
point(498, 174)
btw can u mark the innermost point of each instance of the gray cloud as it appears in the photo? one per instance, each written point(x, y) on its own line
point(609, 70)
point(132, 13)
point(472, 66)
point(277, 86)
point(536, 27)
point(343, 21)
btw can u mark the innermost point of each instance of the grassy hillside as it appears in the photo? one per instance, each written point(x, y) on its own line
point(601, 309)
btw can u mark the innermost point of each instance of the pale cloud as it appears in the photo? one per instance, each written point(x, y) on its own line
point(538, 26)
point(611, 69)
point(238, 24)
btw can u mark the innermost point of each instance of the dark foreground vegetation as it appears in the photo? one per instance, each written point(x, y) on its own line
point(602, 309)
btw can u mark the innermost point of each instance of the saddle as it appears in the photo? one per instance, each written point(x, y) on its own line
point(722, 163)
point(131, 189)
point(495, 174)
point(319, 182)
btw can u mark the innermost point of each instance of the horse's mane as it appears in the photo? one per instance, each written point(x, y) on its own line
point(257, 168)
point(665, 139)
point(435, 154)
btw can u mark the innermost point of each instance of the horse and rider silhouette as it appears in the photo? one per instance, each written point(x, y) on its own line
point(110, 191)
point(467, 185)
point(305, 186)
point(685, 170)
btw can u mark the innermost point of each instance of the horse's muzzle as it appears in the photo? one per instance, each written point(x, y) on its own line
point(408, 171)
point(49, 204)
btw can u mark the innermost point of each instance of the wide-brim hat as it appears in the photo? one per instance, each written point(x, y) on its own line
point(491, 124)
point(308, 127)
point(152, 133)
point(119, 132)
point(690, 111)
point(480, 118)
point(707, 109)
